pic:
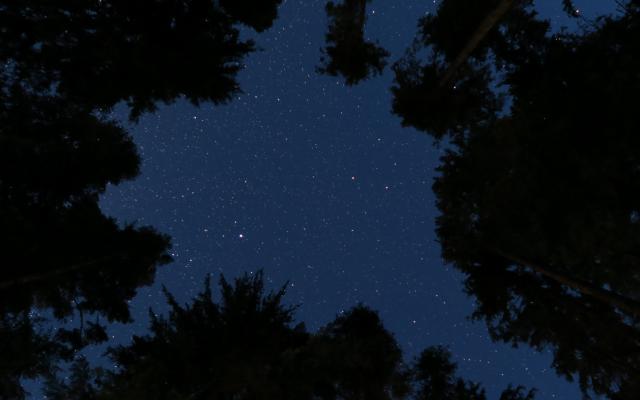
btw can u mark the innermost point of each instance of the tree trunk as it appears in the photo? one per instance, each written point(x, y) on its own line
point(489, 22)
point(625, 304)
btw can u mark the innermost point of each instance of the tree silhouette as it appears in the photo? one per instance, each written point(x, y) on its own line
point(65, 64)
point(452, 90)
point(259, 15)
point(347, 52)
point(83, 383)
point(59, 251)
point(238, 348)
point(27, 352)
point(538, 190)
point(361, 358)
point(246, 346)
point(434, 375)
point(540, 199)
point(55, 160)
point(103, 52)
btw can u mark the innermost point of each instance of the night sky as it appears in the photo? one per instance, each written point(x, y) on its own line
point(318, 185)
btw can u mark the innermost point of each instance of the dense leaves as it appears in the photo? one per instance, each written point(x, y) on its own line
point(55, 160)
point(83, 382)
point(540, 199)
point(434, 375)
point(60, 252)
point(348, 53)
point(141, 52)
point(434, 94)
point(65, 65)
point(246, 346)
point(257, 14)
point(27, 352)
point(362, 359)
point(538, 189)
point(210, 350)
point(425, 105)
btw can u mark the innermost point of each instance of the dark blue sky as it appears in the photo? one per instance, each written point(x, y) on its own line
point(318, 185)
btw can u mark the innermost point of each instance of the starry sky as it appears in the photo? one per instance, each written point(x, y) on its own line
point(318, 185)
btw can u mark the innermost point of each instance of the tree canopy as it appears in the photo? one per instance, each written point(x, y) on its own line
point(247, 346)
point(538, 191)
point(100, 53)
point(539, 187)
point(65, 65)
point(348, 53)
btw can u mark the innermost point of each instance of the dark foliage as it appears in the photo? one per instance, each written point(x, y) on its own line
point(425, 105)
point(540, 201)
point(65, 64)
point(361, 358)
point(424, 99)
point(242, 346)
point(517, 393)
point(55, 159)
point(455, 22)
point(59, 251)
point(435, 377)
point(140, 52)
point(246, 346)
point(83, 382)
point(348, 53)
point(258, 14)
point(27, 352)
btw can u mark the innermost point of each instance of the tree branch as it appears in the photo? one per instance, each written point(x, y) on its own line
point(489, 22)
point(628, 305)
point(31, 278)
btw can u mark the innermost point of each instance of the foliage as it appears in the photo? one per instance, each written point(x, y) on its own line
point(27, 352)
point(547, 184)
point(348, 53)
point(65, 65)
point(102, 52)
point(246, 346)
point(83, 382)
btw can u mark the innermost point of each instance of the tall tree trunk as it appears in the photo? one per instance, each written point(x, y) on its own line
point(625, 304)
point(489, 22)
